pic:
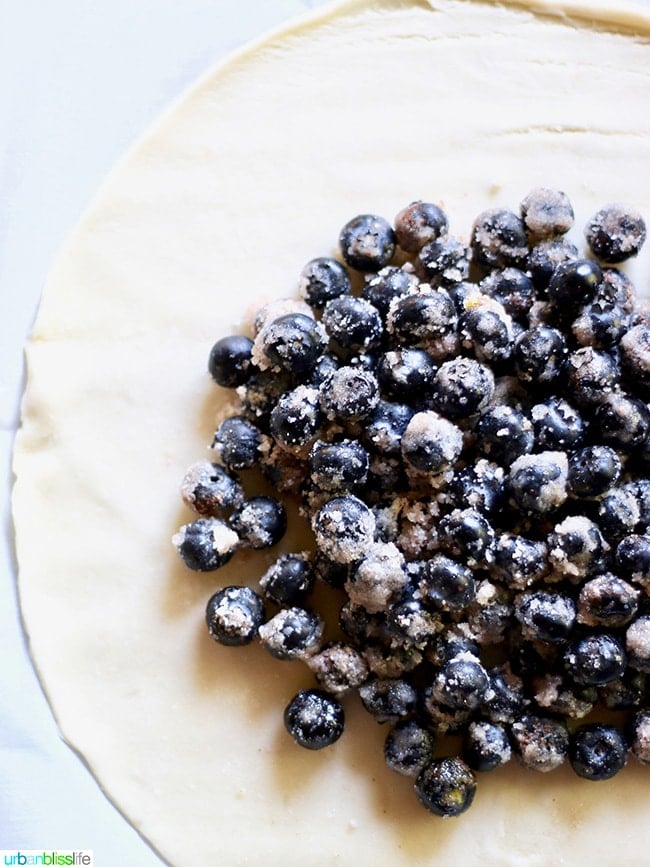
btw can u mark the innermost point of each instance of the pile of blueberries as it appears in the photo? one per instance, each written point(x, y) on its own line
point(466, 428)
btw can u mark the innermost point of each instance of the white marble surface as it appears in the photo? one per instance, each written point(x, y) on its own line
point(79, 81)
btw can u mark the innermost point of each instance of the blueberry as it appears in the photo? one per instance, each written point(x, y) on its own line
point(344, 529)
point(545, 257)
point(591, 374)
point(419, 224)
point(504, 433)
point(353, 324)
point(597, 751)
point(639, 736)
point(431, 443)
point(632, 558)
point(547, 213)
point(594, 660)
point(408, 748)
point(443, 262)
point(293, 342)
point(367, 242)
point(499, 239)
point(427, 319)
point(385, 427)
point(512, 288)
point(233, 615)
point(538, 483)
point(461, 683)
point(635, 354)
point(205, 544)
point(260, 522)
point(615, 233)
point(349, 394)
point(486, 746)
point(557, 425)
point(541, 743)
point(593, 470)
point(338, 668)
point(462, 387)
point(576, 546)
point(209, 489)
point(388, 699)
point(574, 283)
point(467, 535)
point(379, 578)
point(637, 643)
point(409, 622)
point(314, 719)
point(487, 331)
point(289, 579)
point(388, 284)
point(230, 360)
point(478, 486)
point(622, 422)
point(447, 584)
point(607, 601)
point(292, 633)
point(296, 418)
point(545, 616)
point(600, 324)
point(446, 787)
point(406, 374)
point(339, 466)
point(505, 699)
point(237, 442)
point(321, 280)
point(539, 354)
point(518, 561)
point(618, 514)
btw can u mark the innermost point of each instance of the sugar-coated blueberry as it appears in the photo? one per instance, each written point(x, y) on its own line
point(314, 719)
point(321, 280)
point(230, 360)
point(419, 224)
point(597, 751)
point(446, 787)
point(408, 748)
point(367, 242)
point(233, 615)
point(205, 544)
point(615, 233)
point(260, 522)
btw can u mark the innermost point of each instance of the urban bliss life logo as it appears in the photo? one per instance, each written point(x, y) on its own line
point(77, 858)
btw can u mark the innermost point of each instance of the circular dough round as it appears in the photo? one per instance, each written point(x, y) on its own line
point(362, 107)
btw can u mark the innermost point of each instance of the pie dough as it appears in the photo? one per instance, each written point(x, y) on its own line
point(362, 107)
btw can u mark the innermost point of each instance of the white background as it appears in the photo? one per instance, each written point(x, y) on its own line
point(80, 80)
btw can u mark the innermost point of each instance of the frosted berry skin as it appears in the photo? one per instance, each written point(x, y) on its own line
point(446, 787)
point(513, 289)
point(431, 443)
point(467, 535)
point(260, 522)
point(622, 422)
point(353, 324)
point(237, 442)
point(446, 584)
point(321, 280)
point(289, 580)
point(208, 489)
point(461, 683)
point(595, 659)
point(296, 418)
point(292, 633)
point(339, 668)
point(632, 559)
point(233, 615)
point(314, 719)
point(547, 213)
point(546, 616)
point(638, 735)
point(388, 700)
point(338, 467)
point(462, 387)
point(615, 233)
point(486, 746)
point(607, 601)
point(293, 342)
point(426, 319)
point(408, 748)
point(499, 239)
point(539, 354)
point(597, 751)
point(557, 425)
point(444, 262)
point(541, 743)
point(544, 258)
point(367, 242)
point(385, 427)
point(538, 483)
point(419, 224)
point(593, 470)
point(205, 544)
point(344, 528)
point(229, 362)
point(349, 394)
point(504, 433)
point(384, 287)
point(635, 354)
point(406, 374)
point(574, 283)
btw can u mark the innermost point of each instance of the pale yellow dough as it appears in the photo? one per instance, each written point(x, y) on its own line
point(362, 107)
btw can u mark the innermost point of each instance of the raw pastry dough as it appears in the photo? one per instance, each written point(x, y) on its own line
point(364, 106)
